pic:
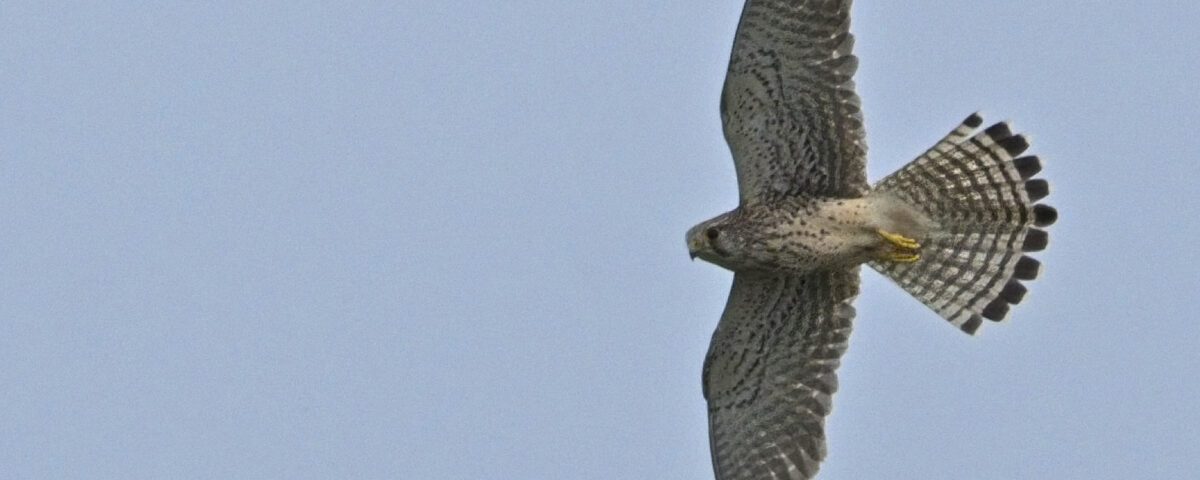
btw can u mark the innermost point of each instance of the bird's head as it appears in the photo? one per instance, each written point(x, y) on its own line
point(718, 241)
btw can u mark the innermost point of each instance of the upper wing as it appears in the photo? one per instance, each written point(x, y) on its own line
point(769, 375)
point(791, 117)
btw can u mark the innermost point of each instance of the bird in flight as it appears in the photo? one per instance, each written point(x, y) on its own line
point(953, 228)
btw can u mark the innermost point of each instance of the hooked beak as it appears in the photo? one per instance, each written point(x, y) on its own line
point(693, 254)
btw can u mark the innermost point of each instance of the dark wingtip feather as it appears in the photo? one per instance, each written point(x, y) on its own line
point(1013, 292)
point(1044, 215)
point(999, 131)
point(996, 310)
point(1015, 145)
point(972, 324)
point(973, 121)
point(1037, 189)
point(1035, 240)
point(1028, 166)
point(1027, 268)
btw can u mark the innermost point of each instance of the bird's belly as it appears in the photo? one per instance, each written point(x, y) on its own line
point(831, 233)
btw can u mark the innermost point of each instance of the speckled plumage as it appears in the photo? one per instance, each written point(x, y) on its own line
point(806, 219)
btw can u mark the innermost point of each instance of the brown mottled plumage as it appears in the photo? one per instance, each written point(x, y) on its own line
point(951, 228)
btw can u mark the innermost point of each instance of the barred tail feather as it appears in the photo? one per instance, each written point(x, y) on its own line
point(980, 191)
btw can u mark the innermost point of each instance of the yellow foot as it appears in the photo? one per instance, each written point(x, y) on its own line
point(900, 241)
point(904, 249)
point(901, 257)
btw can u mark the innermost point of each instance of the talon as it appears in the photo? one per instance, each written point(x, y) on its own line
point(898, 240)
point(902, 257)
point(904, 249)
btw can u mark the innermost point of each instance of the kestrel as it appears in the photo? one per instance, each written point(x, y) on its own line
point(952, 228)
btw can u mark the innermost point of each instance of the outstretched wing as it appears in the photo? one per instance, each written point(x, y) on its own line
point(791, 117)
point(769, 375)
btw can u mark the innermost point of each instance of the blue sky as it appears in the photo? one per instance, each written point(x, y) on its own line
point(435, 240)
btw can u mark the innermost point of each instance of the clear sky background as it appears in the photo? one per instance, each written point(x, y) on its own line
point(444, 240)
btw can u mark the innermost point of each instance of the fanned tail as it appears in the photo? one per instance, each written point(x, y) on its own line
point(980, 192)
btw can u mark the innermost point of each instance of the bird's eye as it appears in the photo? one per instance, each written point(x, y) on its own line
point(712, 233)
